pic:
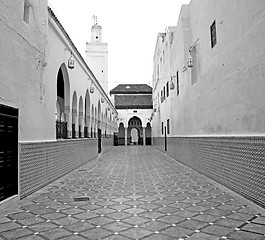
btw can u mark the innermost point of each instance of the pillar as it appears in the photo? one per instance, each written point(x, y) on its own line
point(81, 123)
point(126, 129)
point(87, 119)
point(68, 119)
point(144, 136)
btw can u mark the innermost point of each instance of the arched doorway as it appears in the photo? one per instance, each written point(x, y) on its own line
point(134, 136)
point(135, 123)
point(80, 118)
point(121, 134)
point(62, 103)
point(87, 115)
point(92, 120)
point(148, 134)
point(74, 114)
point(100, 120)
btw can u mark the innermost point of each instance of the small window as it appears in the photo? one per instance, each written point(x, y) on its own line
point(164, 92)
point(168, 126)
point(167, 86)
point(162, 128)
point(177, 83)
point(26, 12)
point(213, 34)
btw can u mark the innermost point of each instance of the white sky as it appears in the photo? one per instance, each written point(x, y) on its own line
point(130, 28)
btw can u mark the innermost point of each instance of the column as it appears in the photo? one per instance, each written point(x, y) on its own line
point(144, 136)
point(126, 129)
point(81, 123)
point(69, 121)
point(88, 126)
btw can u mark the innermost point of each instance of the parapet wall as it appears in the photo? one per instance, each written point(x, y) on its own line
point(235, 162)
point(43, 162)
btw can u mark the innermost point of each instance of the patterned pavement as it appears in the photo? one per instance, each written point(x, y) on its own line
point(133, 192)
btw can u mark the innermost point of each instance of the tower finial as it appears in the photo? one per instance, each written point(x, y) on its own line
point(95, 18)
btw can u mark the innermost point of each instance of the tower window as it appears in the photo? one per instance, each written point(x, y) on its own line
point(213, 34)
point(168, 132)
point(26, 12)
point(177, 83)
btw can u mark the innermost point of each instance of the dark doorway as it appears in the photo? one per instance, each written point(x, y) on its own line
point(121, 135)
point(148, 134)
point(165, 138)
point(99, 141)
point(134, 138)
point(8, 152)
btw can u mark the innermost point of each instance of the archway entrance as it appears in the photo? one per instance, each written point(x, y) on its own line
point(148, 134)
point(121, 134)
point(134, 140)
point(62, 103)
point(135, 124)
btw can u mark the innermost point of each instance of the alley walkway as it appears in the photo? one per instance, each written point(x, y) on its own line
point(134, 192)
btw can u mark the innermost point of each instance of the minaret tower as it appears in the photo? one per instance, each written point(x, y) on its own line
point(97, 55)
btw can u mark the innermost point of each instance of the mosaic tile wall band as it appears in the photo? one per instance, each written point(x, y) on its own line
point(236, 162)
point(44, 162)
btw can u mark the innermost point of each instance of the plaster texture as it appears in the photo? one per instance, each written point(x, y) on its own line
point(223, 93)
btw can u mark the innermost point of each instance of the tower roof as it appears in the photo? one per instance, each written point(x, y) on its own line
point(130, 101)
point(96, 26)
point(132, 89)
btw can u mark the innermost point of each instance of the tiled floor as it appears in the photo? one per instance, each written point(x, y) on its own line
point(134, 193)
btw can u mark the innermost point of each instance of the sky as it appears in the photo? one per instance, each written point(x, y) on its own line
point(130, 28)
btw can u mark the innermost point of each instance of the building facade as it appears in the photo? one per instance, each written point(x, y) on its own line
point(54, 114)
point(208, 91)
point(134, 105)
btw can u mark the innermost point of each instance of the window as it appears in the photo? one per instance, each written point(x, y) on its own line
point(164, 92)
point(168, 126)
point(162, 128)
point(161, 96)
point(213, 34)
point(167, 89)
point(26, 12)
point(177, 83)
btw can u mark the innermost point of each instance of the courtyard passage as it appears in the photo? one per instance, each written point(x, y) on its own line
point(133, 192)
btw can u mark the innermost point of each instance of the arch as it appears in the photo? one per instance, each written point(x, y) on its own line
point(62, 101)
point(87, 114)
point(65, 74)
point(92, 120)
point(148, 134)
point(87, 104)
point(80, 117)
point(99, 113)
point(121, 134)
point(96, 121)
point(102, 124)
point(135, 122)
point(74, 114)
point(134, 136)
